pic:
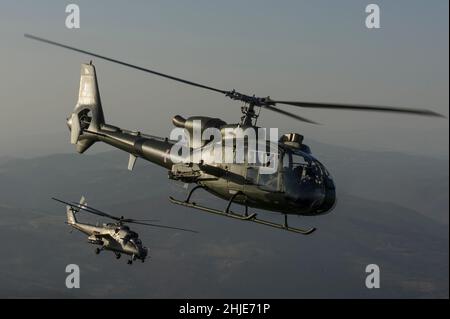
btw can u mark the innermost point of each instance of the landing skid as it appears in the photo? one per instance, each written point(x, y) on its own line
point(246, 217)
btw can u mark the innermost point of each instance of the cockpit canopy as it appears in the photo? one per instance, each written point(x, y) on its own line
point(136, 241)
point(304, 166)
point(133, 234)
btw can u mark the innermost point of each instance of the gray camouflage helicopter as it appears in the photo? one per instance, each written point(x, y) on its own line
point(116, 237)
point(301, 185)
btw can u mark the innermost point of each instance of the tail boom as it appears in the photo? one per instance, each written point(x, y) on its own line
point(87, 126)
point(151, 148)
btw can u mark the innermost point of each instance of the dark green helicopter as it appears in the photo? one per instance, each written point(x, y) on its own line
point(300, 185)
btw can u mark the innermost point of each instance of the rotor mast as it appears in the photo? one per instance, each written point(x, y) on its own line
point(249, 115)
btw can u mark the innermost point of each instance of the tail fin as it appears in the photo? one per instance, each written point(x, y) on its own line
point(71, 219)
point(88, 113)
point(70, 210)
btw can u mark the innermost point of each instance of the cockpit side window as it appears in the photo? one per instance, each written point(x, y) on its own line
point(287, 160)
point(298, 160)
point(293, 160)
point(259, 166)
point(302, 167)
point(133, 234)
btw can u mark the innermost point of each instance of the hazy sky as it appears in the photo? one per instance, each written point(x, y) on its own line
point(304, 50)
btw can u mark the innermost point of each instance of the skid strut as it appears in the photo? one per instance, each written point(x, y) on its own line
point(246, 217)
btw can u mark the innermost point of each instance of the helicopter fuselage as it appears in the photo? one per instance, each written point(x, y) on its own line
point(115, 238)
point(301, 185)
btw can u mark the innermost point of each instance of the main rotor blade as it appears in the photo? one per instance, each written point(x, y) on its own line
point(83, 207)
point(164, 226)
point(373, 108)
point(274, 109)
point(95, 211)
point(29, 36)
point(132, 220)
point(252, 100)
point(63, 202)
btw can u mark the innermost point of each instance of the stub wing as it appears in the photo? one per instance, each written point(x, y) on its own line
point(101, 235)
point(100, 238)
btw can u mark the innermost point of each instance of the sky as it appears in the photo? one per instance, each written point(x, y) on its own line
point(292, 50)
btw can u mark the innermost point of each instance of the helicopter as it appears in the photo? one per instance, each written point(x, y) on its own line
point(301, 185)
point(117, 236)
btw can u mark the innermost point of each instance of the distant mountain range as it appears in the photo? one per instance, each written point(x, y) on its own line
point(392, 211)
point(416, 182)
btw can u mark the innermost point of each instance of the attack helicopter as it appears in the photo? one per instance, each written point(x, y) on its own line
point(300, 186)
point(117, 236)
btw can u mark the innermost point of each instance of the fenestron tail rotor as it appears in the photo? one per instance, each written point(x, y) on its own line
point(121, 220)
point(75, 128)
point(249, 100)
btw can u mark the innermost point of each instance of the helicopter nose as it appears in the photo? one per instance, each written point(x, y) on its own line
point(329, 202)
point(143, 251)
point(316, 199)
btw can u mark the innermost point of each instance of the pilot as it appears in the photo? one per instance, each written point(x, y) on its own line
point(298, 171)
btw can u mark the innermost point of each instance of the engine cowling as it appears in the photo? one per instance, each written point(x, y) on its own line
point(295, 140)
point(200, 123)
